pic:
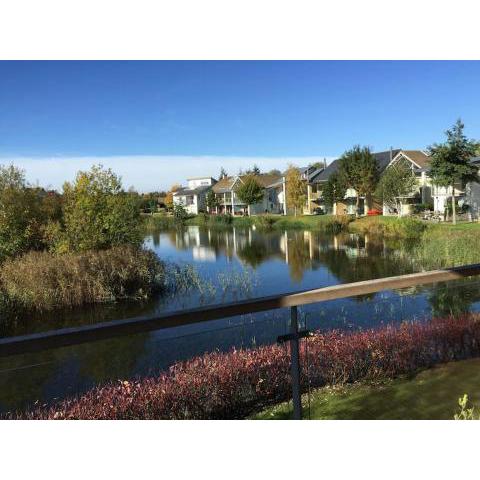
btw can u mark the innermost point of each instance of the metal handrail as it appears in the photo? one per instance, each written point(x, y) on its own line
point(89, 333)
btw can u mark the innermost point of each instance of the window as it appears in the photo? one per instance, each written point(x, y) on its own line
point(189, 200)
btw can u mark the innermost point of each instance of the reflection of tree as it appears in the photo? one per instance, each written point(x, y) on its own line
point(254, 253)
point(298, 256)
point(155, 238)
point(446, 299)
point(355, 260)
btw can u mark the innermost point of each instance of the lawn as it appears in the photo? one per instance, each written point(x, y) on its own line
point(430, 395)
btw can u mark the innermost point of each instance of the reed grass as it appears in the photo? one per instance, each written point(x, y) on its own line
point(44, 281)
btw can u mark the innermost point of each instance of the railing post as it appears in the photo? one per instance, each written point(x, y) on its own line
point(295, 364)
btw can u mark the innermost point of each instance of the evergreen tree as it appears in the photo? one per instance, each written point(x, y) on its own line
point(223, 173)
point(450, 161)
point(256, 170)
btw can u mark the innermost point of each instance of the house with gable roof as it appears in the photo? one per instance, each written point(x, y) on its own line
point(193, 197)
point(273, 199)
point(423, 193)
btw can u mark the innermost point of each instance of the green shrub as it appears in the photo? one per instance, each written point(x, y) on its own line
point(266, 221)
point(24, 212)
point(179, 214)
point(220, 220)
point(98, 213)
point(421, 207)
point(43, 281)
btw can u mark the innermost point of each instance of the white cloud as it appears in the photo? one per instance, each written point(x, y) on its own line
point(147, 173)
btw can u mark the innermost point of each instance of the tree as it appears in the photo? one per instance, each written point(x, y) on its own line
point(296, 188)
point(250, 191)
point(334, 190)
point(359, 170)
point(397, 181)
point(179, 213)
point(275, 171)
point(21, 218)
point(211, 200)
point(223, 173)
point(450, 161)
point(255, 170)
point(98, 213)
point(169, 196)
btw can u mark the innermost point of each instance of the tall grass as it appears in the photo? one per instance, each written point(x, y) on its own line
point(238, 383)
point(154, 222)
point(441, 246)
point(44, 281)
point(403, 227)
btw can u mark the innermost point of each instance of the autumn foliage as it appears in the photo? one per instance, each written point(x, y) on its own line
point(236, 384)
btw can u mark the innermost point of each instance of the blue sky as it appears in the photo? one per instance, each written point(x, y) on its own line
point(158, 122)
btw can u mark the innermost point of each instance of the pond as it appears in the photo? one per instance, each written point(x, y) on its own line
point(229, 264)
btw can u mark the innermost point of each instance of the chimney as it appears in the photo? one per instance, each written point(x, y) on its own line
point(391, 153)
point(324, 162)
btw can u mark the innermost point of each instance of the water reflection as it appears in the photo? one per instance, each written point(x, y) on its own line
point(350, 257)
point(282, 261)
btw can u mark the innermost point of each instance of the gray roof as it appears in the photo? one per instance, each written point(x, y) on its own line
point(324, 175)
point(383, 159)
point(192, 191)
point(475, 160)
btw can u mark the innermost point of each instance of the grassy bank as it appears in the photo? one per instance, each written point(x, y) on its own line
point(449, 245)
point(404, 227)
point(238, 383)
point(328, 223)
point(44, 281)
point(429, 395)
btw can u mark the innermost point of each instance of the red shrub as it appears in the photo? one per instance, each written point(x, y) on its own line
point(235, 384)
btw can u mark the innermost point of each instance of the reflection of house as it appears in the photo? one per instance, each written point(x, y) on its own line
point(204, 254)
point(194, 196)
point(272, 202)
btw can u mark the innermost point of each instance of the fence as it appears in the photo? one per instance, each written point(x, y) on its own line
point(74, 336)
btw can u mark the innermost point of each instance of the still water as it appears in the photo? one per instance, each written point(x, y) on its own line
point(229, 264)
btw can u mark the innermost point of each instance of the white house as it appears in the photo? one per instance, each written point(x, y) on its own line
point(424, 191)
point(273, 199)
point(193, 197)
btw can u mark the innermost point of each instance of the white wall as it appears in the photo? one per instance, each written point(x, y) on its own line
point(199, 182)
point(182, 200)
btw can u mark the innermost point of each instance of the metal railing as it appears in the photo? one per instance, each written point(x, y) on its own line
point(90, 333)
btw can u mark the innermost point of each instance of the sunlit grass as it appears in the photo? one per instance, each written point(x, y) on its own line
point(431, 394)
